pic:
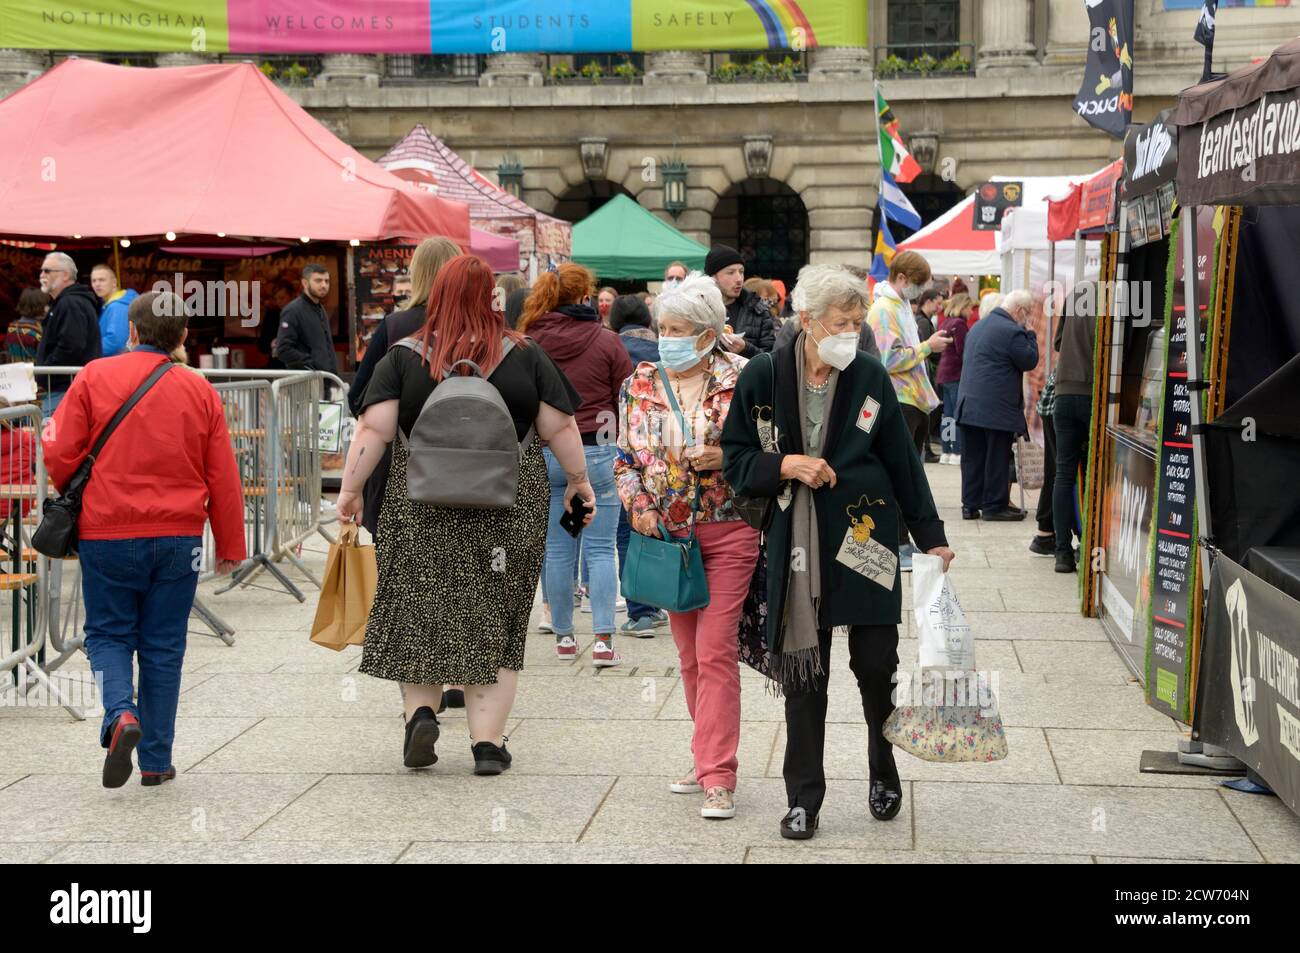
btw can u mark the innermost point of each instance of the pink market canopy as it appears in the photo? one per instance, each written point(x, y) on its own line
point(424, 159)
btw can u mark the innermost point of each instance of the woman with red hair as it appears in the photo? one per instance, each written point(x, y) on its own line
point(593, 358)
point(456, 585)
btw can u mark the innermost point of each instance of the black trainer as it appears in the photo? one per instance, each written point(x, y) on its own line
point(1065, 562)
point(797, 825)
point(421, 736)
point(969, 514)
point(1005, 515)
point(1043, 545)
point(490, 758)
point(452, 698)
point(885, 799)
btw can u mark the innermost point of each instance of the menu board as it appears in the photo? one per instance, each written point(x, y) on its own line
point(383, 280)
point(1126, 527)
point(1173, 558)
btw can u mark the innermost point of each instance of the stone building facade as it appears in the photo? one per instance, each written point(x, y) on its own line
point(785, 168)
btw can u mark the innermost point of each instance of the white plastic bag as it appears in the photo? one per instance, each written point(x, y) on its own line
point(946, 641)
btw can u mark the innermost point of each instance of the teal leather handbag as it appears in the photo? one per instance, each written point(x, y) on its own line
point(667, 573)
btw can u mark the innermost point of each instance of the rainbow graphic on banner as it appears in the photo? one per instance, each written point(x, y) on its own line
point(429, 26)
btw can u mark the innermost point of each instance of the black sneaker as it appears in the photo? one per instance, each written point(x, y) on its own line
point(797, 825)
point(490, 758)
point(1043, 545)
point(969, 514)
point(453, 698)
point(1065, 562)
point(885, 799)
point(421, 736)
point(1005, 515)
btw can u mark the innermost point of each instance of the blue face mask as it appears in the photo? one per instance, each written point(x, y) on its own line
point(680, 354)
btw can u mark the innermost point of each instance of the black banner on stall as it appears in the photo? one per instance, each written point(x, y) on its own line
point(1150, 156)
point(1248, 699)
point(1106, 97)
point(1173, 567)
point(992, 199)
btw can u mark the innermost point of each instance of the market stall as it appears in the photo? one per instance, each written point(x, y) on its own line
point(423, 159)
point(622, 240)
point(1239, 146)
point(221, 160)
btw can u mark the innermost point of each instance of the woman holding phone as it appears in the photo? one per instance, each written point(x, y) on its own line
point(670, 478)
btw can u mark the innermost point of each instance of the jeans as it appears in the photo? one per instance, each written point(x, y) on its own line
point(1072, 417)
point(707, 649)
point(1043, 514)
point(50, 402)
point(950, 392)
point(598, 545)
point(873, 658)
point(138, 595)
point(635, 610)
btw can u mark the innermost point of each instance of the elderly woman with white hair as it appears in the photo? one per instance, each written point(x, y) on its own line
point(991, 406)
point(818, 428)
point(670, 479)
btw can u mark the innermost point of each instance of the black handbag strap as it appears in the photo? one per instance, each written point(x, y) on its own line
point(125, 409)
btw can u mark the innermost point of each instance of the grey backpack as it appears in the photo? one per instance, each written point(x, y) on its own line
point(462, 450)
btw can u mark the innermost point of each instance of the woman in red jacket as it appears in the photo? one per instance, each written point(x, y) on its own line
point(166, 470)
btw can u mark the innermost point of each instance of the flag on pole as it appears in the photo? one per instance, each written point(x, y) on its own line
point(885, 247)
point(894, 157)
point(893, 201)
point(1204, 35)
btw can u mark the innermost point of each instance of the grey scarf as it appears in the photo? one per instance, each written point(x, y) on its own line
point(798, 656)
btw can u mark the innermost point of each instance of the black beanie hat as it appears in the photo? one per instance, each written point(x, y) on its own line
point(719, 257)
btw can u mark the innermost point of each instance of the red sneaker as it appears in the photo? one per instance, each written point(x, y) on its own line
point(566, 647)
point(123, 737)
point(603, 654)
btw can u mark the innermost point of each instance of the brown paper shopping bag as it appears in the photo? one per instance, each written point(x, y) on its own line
point(346, 592)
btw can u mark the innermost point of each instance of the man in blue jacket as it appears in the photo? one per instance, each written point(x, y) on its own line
point(990, 406)
point(113, 328)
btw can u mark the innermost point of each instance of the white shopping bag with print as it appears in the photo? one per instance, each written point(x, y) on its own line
point(946, 641)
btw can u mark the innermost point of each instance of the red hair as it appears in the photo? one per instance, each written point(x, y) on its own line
point(460, 311)
point(568, 284)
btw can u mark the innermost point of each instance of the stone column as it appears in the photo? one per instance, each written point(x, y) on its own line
point(1067, 34)
point(514, 69)
point(349, 69)
point(836, 64)
point(1006, 35)
point(676, 67)
point(19, 67)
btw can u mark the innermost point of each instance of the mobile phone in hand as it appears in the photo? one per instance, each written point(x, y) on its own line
point(571, 522)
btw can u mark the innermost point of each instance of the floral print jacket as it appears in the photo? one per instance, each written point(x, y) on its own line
point(651, 469)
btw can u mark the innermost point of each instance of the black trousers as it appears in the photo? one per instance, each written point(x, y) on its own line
point(1044, 513)
point(873, 657)
point(918, 425)
point(985, 468)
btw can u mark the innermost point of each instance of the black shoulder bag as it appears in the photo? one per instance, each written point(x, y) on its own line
point(56, 537)
point(757, 511)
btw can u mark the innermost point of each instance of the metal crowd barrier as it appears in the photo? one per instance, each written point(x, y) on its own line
point(24, 573)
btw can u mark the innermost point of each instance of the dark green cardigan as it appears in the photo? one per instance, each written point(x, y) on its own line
point(876, 474)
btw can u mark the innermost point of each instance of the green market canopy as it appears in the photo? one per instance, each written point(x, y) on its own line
point(622, 240)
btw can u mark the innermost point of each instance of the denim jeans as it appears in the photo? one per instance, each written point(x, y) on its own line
point(950, 392)
point(138, 595)
point(1072, 417)
point(635, 610)
point(50, 402)
point(597, 545)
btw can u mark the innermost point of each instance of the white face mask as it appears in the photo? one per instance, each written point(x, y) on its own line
point(838, 350)
point(671, 283)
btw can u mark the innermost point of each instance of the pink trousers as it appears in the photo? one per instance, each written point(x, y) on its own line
point(708, 653)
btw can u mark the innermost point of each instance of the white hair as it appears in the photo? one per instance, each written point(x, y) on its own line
point(696, 300)
point(988, 303)
point(820, 287)
point(1015, 300)
point(66, 261)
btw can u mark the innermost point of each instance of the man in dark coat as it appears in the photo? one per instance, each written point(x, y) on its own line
point(747, 313)
point(990, 406)
point(70, 335)
point(304, 341)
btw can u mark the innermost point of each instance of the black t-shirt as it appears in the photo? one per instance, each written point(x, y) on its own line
point(526, 378)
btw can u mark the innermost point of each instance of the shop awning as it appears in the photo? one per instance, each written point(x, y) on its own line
point(623, 240)
point(101, 151)
point(1239, 141)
